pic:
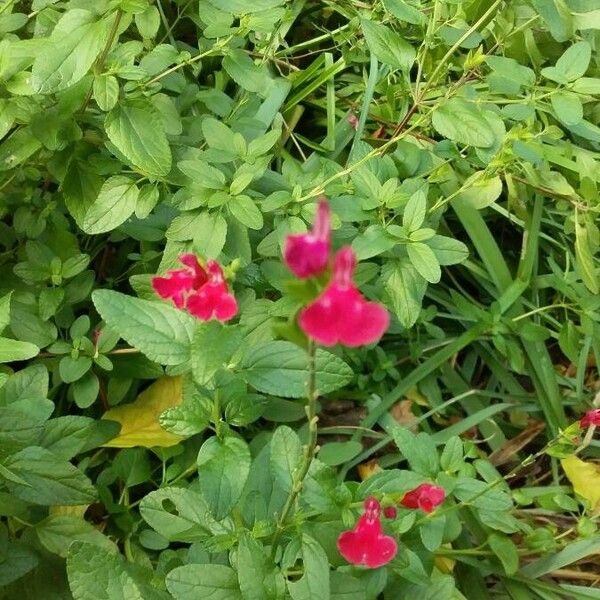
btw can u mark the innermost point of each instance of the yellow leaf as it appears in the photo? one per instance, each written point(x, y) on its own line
point(365, 470)
point(139, 420)
point(585, 478)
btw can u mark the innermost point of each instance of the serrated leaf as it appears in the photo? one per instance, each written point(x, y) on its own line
point(242, 69)
point(504, 548)
point(424, 261)
point(480, 191)
point(405, 289)
point(575, 61)
point(585, 259)
point(462, 121)
point(244, 209)
point(138, 133)
point(415, 211)
point(448, 251)
point(158, 330)
point(140, 420)
point(281, 368)
point(75, 43)
point(46, 480)
point(113, 206)
point(388, 46)
point(189, 520)
point(13, 350)
point(223, 467)
point(256, 572)
point(404, 11)
point(243, 7)
point(106, 91)
point(213, 345)
point(216, 582)
point(314, 583)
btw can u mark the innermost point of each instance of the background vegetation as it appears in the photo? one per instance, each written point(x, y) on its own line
point(457, 142)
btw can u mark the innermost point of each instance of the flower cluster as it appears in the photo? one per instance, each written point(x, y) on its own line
point(366, 544)
point(340, 314)
point(203, 292)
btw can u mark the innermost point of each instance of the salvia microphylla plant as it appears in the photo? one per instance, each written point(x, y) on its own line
point(299, 299)
point(339, 314)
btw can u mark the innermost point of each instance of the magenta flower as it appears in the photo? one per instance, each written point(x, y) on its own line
point(307, 254)
point(341, 314)
point(390, 512)
point(212, 300)
point(180, 282)
point(591, 417)
point(426, 497)
point(366, 544)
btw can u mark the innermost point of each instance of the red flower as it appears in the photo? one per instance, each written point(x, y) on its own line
point(213, 298)
point(341, 314)
point(366, 544)
point(591, 417)
point(390, 512)
point(307, 254)
point(179, 282)
point(426, 497)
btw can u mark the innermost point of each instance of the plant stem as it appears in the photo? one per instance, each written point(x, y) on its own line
point(310, 447)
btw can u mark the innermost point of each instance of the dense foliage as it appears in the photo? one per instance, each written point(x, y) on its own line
point(148, 454)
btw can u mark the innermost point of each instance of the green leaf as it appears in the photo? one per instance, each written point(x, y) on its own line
point(159, 331)
point(113, 206)
point(388, 46)
point(179, 515)
point(216, 582)
point(56, 533)
point(67, 436)
point(375, 240)
point(250, 76)
point(585, 259)
point(210, 234)
point(415, 211)
point(213, 345)
point(432, 532)
point(47, 481)
point(405, 289)
point(281, 368)
point(337, 453)
point(13, 350)
point(285, 456)
point(314, 583)
point(95, 574)
point(404, 11)
point(137, 131)
point(504, 548)
point(75, 43)
point(223, 467)
point(5, 311)
point(424, 261)
point(462, 121)
point(18, 559)
point(106, 91)
point(202, 173)
point(148, 22)
point(85, 390)
point(575, 61)
point(448, 251)
point(187, 419)
point(72, 369)
point(245, 210)
point(256, 573)
point(242, 7)
point(452, 458)
point(557, 16)
point(567, 107)
point(419, 450)
point(18, 148)
point(480, 190)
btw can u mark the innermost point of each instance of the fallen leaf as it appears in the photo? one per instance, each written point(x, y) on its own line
point(508, 450)
point(585, 478)
point(139, 420)
point(402, 413)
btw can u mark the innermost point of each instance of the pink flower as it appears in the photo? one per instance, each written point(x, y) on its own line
point(366, 544)
point(213, 298)
point(426, 497)
point(341, 314)
point(179, 282)
point(307, 254)
point(591, 417)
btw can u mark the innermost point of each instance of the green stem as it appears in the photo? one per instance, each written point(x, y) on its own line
point(310, 447)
